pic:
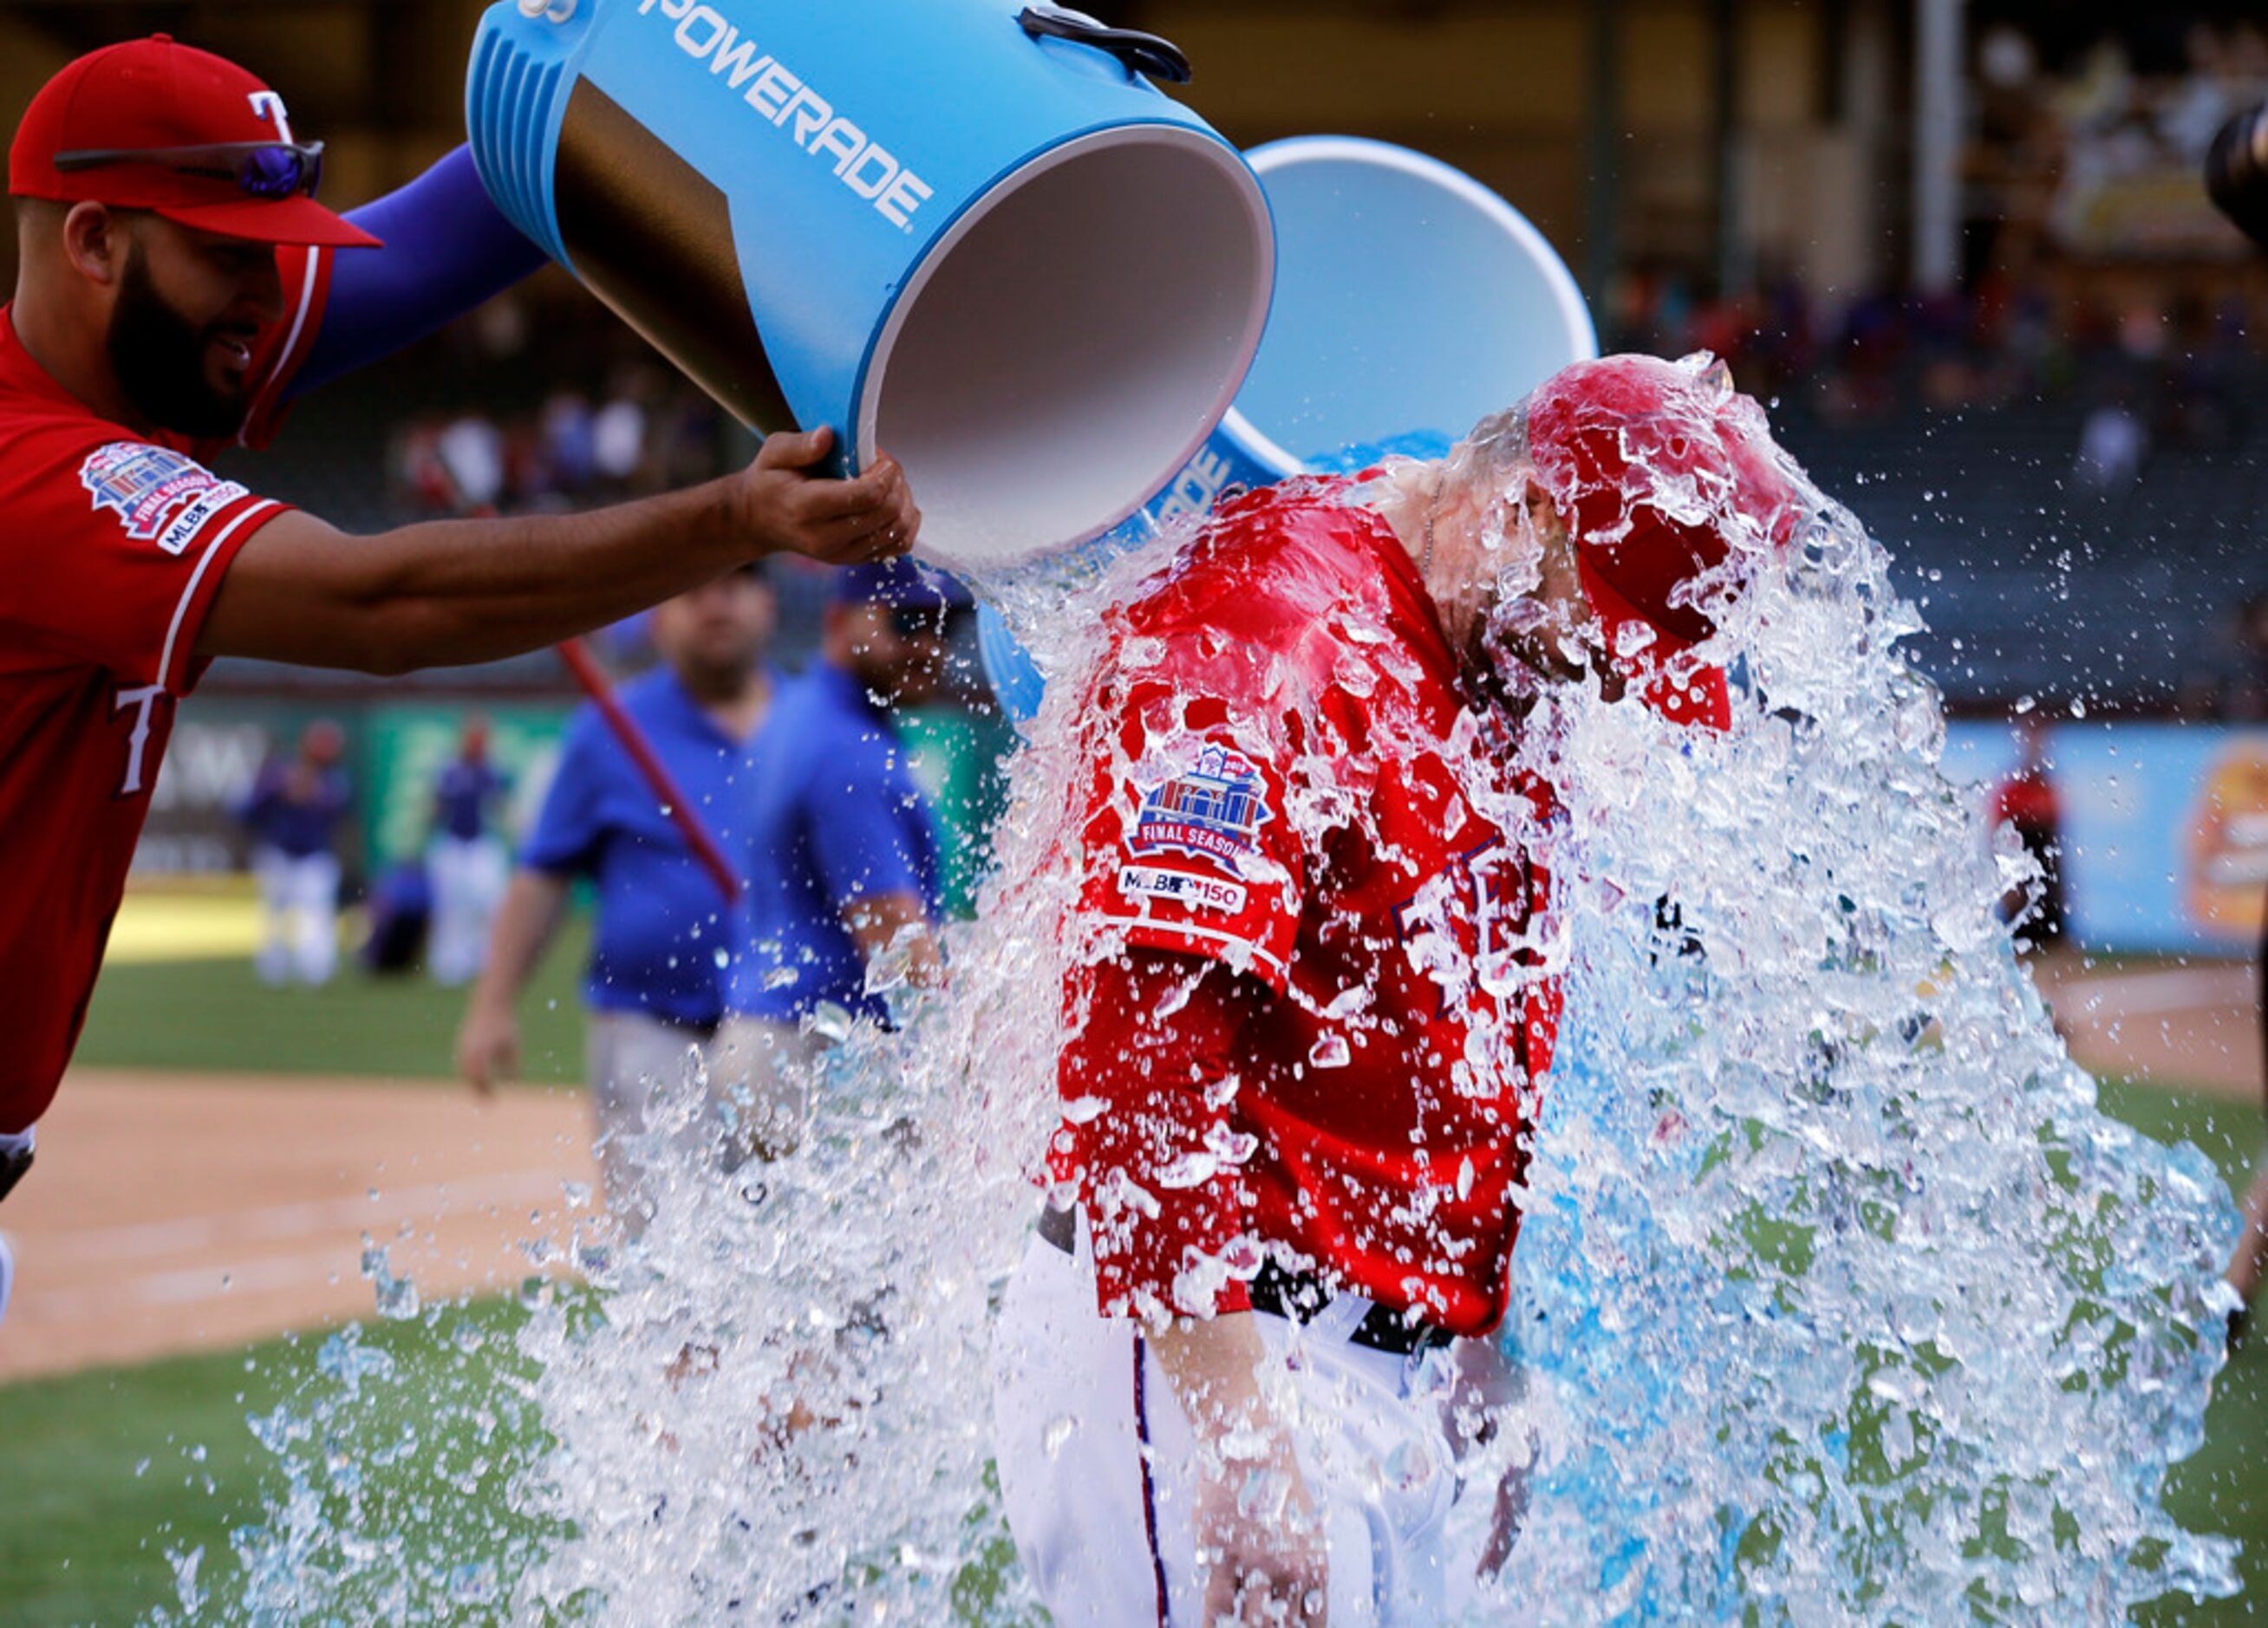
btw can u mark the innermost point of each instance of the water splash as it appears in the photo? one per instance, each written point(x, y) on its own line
point(1838, 1299)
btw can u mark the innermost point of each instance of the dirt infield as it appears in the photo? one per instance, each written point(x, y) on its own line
point(181, 1211)
point(2197, 1025)
point(185, 1212)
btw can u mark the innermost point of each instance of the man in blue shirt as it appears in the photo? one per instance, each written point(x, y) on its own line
point(653, 991)
point(843, 854)
point(293, 814)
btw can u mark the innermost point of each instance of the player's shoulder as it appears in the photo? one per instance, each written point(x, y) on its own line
point(823, 724)
point(62, 463)
point(1290, 550)
point(648, 697)
point(58, 474)
point(1249, 603)
point(807, 712)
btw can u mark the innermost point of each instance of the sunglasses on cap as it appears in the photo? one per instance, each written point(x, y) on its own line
point(268, 169)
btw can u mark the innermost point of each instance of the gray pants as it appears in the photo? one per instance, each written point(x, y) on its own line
point(754, 1101)
point(764, 1077)
point(630, 1057)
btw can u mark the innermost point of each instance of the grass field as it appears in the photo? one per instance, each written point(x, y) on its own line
point(103, 1475)
point(215, 1014)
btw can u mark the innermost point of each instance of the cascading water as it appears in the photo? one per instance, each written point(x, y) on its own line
point(1838, 1299)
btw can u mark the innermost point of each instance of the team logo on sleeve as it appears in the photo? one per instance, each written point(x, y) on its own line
point(158, 495)
point(1214, 811)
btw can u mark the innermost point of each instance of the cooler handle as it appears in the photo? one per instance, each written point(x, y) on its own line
point(1136, 52)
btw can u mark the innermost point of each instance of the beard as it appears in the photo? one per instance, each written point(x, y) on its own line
point(159, 356)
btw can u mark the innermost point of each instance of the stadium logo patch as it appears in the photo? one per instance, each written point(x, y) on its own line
point(1199, 893)
point(1214, 812)
point(158, 495)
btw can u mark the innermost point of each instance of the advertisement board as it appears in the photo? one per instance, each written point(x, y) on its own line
point(2165, 827)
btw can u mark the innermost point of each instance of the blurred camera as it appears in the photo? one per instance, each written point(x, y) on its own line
point(2236, 172)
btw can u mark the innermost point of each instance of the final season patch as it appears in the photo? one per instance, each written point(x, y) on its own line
point(158, 495)
point(1215, 812)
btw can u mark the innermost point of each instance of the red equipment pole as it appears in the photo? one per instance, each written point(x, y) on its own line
point(593, 680)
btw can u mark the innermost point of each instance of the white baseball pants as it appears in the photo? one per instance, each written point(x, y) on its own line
point(1095, 1459)
point(299, 916)
point(469, 879)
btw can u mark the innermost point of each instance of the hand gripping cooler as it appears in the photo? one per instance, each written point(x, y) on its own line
point(973, 237)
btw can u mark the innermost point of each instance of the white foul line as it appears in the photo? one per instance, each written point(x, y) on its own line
point(143, 1240)
point(2144, 994)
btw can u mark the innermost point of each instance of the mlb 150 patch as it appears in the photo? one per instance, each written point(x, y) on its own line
point(159, 496)
point(1203, 893)
point(1214, 811)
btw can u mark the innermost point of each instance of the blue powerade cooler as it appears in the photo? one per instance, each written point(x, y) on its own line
point(969, 233)
point(1410, 302)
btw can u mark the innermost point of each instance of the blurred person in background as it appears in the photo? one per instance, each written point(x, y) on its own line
point(400, 912)
point(466, 861)
point(570, 440)
point(176, 287)
point(2026, 803)
point(293, 814)
point(2114, 444)
point(472, 454)
point(2236, 174)
point(844, 894)
point(653, 989)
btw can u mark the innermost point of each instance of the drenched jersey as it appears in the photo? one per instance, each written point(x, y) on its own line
point(1286, 780)
point(112, 545)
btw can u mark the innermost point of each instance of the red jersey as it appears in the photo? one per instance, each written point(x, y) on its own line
point(112, 545)
point(2027, 800)
point(1285, 781)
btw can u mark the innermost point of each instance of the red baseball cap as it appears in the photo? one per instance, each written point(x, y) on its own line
point(158, 97)
point(1661, 470)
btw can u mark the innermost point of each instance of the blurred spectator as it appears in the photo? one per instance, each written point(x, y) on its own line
point(293, 814)
point(419, 477)
point(571, 440)
point(2244, 695)
point(2027, 803)
point(465, 860)
point(2112, 445)
point(400, 912)
point(471, 453)
point(626, 429)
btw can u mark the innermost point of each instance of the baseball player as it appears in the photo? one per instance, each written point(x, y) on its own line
point(178, 285)
point(293, 814)
point(653, 992)
point(1313, 1001)
point(468, 862)
point(842, 863)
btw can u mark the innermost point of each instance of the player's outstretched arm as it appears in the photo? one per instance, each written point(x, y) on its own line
point(487, 1042)
point(450, 593)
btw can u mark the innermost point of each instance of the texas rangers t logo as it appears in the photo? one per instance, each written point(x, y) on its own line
point(268, 105)
point(1214, 812)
